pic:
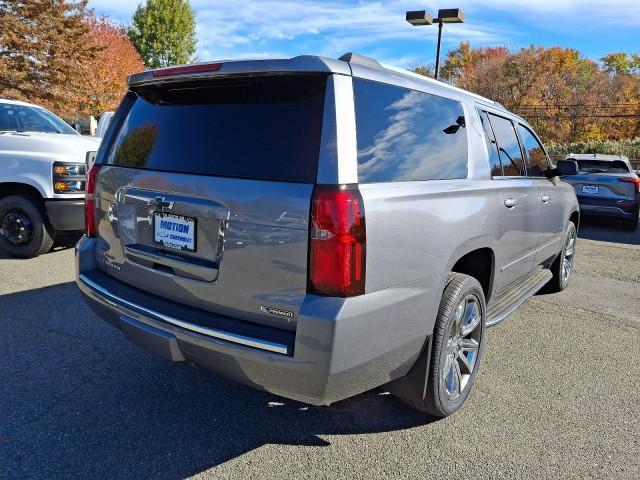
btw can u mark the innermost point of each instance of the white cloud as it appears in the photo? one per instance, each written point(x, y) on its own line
point(232, 28)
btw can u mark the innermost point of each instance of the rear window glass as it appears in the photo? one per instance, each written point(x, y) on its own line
point(599, 166)
point(261, 128)
point(406, 135)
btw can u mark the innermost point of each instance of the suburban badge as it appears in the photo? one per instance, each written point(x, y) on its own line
point(276, 311)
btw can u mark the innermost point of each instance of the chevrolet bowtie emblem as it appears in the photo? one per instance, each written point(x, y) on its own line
point(160, 203)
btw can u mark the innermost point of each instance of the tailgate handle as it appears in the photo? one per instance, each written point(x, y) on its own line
point(160, 203)
point(545, 198)
point(180, 266)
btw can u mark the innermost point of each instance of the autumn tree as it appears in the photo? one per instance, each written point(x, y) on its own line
point(565, 96)
point(163, 32)
point(43, 52)
point(621, 63)
point(425, 70)
point(106, 75)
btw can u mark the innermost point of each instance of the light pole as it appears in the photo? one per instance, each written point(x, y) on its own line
point(448, 15)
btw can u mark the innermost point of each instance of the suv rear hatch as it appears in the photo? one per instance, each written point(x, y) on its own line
point(603, 180)
point(204, 190)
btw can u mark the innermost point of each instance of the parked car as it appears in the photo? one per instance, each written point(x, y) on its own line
point(42, 178)
point(103, 123)
point(417, 215)
point(607, 186)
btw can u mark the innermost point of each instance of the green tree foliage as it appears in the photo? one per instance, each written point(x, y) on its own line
point(163, 32)
point(621, 63)
point(43, 52)
point(566, 97)
point(629, 148)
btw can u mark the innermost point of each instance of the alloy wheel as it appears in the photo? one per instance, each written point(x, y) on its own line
point(462, 347)
point(569, 256)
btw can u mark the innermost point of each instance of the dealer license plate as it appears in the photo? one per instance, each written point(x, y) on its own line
point(174, 231)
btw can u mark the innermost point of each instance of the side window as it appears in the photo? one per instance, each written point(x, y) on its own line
point(508, 146)
point(405, 135)
point(7, 118)
point(536, 158)
point(492, 147)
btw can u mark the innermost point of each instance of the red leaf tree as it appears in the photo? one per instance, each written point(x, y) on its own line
point(106, 74)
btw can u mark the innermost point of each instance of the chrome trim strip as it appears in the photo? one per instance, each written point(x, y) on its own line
point(219, 334)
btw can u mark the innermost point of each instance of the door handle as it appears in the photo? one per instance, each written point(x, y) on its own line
point(510, 202)
point(545, 198)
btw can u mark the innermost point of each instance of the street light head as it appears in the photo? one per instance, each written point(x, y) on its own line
point(450, 15)
point(420, 17)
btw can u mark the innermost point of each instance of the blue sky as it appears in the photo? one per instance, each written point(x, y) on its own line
point(284, 28)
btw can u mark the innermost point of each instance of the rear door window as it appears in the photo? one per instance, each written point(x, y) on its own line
point(405, 135)
point(536, 158)
point(508, 146)
point(260, 128)
point(494, 158)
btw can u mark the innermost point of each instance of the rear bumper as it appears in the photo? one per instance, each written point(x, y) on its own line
point(341, 347)
point(66, 215)
point(619, 208)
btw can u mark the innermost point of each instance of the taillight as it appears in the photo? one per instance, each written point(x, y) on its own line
point(337, 242)
point(634, 180)
point(90, 220)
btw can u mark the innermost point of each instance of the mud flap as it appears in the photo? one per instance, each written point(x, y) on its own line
point(152, 339)
point(413, 386)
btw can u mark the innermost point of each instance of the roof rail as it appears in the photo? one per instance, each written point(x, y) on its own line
point(360, 59)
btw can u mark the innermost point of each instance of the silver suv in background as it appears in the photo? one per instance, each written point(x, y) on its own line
point(317, 228)
point(607, 186)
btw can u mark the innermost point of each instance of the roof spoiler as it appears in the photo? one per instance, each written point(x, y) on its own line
point(360, 59)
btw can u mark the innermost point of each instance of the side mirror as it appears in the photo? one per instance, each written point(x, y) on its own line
point(564, 167)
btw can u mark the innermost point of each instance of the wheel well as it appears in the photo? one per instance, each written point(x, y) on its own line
point(575, 219)
point(479, 265)
point(13, 188)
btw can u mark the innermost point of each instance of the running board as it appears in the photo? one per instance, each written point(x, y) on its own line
point(505, 304)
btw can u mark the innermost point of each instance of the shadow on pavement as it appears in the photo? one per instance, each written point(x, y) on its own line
point(77, 400)
point(607, 230)
point(63, 241)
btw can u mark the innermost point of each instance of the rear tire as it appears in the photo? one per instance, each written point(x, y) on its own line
point(459, 332)
point(24, 229)
point(565, 260)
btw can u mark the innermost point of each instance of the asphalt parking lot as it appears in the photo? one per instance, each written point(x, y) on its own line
point(557, 395)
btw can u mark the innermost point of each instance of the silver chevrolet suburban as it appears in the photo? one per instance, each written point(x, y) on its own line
point(317, 228)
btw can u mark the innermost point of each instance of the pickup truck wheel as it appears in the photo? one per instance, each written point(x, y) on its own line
point(458, 343)
point(562, 267)
point(24, 229)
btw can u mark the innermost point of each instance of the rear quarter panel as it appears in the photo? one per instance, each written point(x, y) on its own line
point(420, 229)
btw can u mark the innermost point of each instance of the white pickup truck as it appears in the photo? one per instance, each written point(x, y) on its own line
point(42, 178)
